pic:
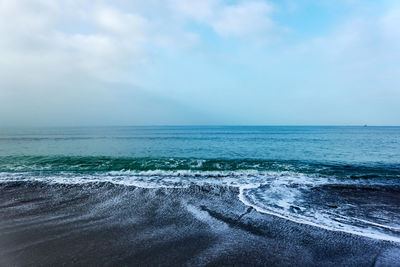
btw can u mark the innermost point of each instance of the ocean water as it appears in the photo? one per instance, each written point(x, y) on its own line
point(337, 178)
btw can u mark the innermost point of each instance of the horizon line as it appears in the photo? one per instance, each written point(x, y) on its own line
point(200, 125)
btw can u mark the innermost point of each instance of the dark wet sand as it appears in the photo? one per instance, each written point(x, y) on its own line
point(105, 224)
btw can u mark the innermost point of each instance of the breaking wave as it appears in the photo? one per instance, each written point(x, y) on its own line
point(362, 200)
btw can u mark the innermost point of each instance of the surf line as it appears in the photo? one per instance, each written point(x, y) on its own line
point(243, 199)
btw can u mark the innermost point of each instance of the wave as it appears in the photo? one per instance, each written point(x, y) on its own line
point(358, 199)
point(106, 164)
point(343, 216)
point(277, 194)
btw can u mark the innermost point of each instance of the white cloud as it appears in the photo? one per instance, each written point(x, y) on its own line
point(107, 41)
point(59, 57)
point(101, 41)
point(241, 19)
point(197, 10)
point(118, 22)
point(244, 19)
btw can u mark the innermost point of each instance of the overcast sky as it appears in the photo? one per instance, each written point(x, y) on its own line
point(180, 62)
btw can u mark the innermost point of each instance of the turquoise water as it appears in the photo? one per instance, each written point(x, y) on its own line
point(338, 178)
point(322, 144)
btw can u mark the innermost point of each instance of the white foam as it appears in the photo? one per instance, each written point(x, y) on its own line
point(280, 184)
point(300, 220)
point(366, 221)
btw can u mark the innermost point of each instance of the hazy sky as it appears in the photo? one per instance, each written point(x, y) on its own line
point(172, 62)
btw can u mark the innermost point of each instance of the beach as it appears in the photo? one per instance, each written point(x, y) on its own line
point(106, 224)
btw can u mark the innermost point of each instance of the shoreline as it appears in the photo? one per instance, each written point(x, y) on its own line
point(108, 224)
point(309, 223)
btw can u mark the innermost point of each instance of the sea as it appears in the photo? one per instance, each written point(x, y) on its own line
point(344, 179)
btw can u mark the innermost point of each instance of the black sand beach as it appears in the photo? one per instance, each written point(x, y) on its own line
point(107, 224)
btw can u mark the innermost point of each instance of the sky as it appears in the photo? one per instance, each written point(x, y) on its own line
point(199, 62)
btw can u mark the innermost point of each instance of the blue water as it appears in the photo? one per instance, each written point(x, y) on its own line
point(326, 144)
point(338, 178)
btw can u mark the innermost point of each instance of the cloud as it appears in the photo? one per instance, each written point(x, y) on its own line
point(352, 68)
point(106, 40)
point(244, 19)
point(101, 40)
point(361, 41)
point(39, 42)
point(59, 57)
point(123, 24)
point(200, 11)
point(48, 42)
point(240, 19)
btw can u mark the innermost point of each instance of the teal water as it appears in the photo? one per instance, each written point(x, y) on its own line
point(323, 144)
point(338, 178)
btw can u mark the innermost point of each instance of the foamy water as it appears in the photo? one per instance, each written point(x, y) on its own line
point(286, 195)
